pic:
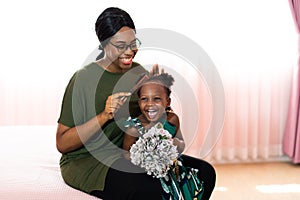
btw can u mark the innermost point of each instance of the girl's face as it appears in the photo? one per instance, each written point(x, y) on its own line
point(152, 101)
point(121, 49)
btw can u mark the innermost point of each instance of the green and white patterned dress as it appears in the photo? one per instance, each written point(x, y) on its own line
point(180, 183)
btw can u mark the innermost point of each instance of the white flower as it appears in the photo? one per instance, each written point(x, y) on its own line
point(154, 151)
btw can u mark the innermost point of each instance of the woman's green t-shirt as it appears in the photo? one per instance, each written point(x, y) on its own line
point(84, 98)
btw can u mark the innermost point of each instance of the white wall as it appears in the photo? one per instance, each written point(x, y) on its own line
point(43, 42)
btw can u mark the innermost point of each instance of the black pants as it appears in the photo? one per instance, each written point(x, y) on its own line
point(124, 185)
point(124, 181)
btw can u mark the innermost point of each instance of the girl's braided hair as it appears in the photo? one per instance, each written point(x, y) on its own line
point(164, 79)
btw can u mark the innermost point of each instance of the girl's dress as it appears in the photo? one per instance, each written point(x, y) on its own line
point(181, 183)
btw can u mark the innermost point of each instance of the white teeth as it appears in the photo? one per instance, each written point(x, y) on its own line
point(126, 59)
point(152, 113)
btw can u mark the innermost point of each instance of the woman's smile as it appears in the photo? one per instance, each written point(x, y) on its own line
point(126, 60)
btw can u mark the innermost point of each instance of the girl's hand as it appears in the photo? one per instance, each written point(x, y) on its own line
point(179, 143)
point(114, 102)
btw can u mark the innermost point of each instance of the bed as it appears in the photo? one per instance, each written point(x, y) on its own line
point(30, 165)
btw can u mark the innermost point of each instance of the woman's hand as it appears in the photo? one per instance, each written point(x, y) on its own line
point(114, 102)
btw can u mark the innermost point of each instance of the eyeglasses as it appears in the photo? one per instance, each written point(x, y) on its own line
point(123, 47)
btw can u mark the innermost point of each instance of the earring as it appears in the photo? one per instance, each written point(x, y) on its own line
point(168, 109)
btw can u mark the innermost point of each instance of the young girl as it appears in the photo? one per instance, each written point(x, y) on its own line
point(154, 102)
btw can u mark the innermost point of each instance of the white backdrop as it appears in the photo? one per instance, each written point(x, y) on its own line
point(252, 43)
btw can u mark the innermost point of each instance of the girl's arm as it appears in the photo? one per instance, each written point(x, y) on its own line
point(130, 138)
point(178, 139)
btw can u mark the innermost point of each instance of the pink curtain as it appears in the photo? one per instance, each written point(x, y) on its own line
point(291, 141)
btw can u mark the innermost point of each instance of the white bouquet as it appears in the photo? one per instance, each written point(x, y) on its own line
point(154, 151)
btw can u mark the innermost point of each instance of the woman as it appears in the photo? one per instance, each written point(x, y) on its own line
point(96, 102)
point(90, 113)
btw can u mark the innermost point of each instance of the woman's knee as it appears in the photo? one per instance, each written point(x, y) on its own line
point(145, 187)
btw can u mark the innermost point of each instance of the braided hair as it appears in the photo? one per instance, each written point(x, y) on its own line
point(109, 22)
point(164, 79)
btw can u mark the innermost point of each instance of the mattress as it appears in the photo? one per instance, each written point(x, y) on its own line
point(29, 165)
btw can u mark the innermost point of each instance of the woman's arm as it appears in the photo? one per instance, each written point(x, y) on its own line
point(71, 138)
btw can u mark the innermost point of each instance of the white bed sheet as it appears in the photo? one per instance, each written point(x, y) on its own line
point(29, 165)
